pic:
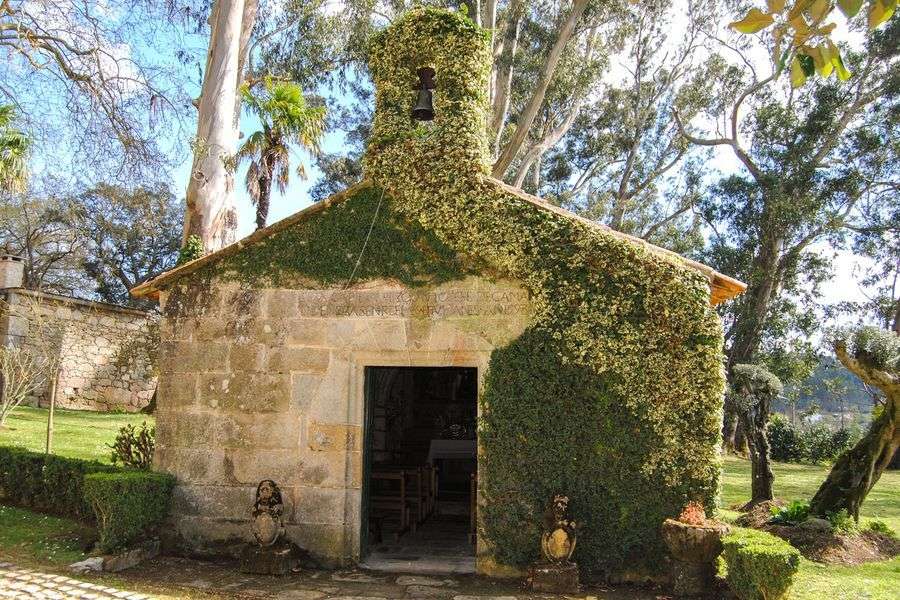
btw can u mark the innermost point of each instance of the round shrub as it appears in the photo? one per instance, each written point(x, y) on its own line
point(127, 504)
point(760, 565)
point(786, 443)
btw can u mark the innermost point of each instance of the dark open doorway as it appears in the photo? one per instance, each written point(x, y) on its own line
point(421, 469)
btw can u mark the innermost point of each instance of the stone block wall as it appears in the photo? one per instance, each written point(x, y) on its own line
point(269, 384)
point(107, 353)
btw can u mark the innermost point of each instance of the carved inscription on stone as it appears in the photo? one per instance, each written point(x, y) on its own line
point(434, 304)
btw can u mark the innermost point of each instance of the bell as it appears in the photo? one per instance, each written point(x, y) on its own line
point(424, 109)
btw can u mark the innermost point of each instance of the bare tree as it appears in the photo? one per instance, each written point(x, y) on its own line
point(21, 374)
point(88, 79)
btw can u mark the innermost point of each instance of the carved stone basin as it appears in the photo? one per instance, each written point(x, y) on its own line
point(694, 543)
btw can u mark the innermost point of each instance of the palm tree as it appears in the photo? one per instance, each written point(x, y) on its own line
point(14, 145)
point(286, 120)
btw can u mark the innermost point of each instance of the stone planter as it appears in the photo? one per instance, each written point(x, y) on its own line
point(694, 548)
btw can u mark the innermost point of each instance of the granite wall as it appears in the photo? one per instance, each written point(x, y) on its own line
point(106, 353)
point(268, 384)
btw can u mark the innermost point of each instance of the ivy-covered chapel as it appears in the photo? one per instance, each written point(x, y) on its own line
point(431, 355)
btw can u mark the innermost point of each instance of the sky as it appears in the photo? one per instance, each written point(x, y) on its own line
point(297, 195)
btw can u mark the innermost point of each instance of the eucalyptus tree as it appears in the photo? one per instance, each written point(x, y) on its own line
point(211, 215)
point(250, 41)
point(287, 121)
point(811, 158)
point(624, 162)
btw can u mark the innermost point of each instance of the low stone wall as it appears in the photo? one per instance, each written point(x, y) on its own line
point(269, 384)
point(106, 353)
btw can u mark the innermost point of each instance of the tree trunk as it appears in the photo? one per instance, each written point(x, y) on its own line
point(526, 119)
point(211, 213)
point(504, 76)
point(755, 421)
point(265, 191)
point(858, 470)
point(54, 384)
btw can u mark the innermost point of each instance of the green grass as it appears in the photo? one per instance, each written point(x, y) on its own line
point(31, 537)
point(76, 433)
point(872, 581)
point(800, 482)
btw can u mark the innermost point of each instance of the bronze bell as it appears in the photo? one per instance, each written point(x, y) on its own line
point(424, 108)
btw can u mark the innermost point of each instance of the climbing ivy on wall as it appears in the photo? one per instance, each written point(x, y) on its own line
point(613, 396)
point(362, 237)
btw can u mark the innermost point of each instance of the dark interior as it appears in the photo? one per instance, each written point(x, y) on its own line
point(421, 461)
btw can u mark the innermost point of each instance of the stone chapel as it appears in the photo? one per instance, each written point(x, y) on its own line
point(401, 357)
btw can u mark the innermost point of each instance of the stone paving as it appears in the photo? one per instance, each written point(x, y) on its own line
point(224, 580)
point(194, 579)
point(26, 584)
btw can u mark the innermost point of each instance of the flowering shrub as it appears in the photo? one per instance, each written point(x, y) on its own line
point(693, 514)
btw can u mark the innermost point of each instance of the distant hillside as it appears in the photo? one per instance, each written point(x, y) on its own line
point(826, 385)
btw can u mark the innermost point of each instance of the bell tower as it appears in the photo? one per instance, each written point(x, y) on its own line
point(430, 69)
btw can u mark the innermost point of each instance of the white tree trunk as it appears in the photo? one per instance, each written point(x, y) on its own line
point(526, 119)
point(211, 213)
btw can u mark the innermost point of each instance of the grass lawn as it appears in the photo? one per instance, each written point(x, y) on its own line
point(30, 538)
point(76, 433)
point(800, 482)
point(873, 581)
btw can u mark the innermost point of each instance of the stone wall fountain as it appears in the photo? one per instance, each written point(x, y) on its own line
point(271, 553)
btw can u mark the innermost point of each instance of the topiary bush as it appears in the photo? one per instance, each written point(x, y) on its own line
point(760, 565)
point(46, 482)
point(127, 504)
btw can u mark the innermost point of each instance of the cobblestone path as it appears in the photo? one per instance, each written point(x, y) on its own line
point(27, 584)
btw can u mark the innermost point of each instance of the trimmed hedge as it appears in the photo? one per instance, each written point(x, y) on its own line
point(760, 565)
point(127, 504)
point(47, 483)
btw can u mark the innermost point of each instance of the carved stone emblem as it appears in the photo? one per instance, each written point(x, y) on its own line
point(267, 525)
point(559, 538)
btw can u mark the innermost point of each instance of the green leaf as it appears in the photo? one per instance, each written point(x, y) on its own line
point(775, 6)
point(756, 20)
point(798, 76)
point(842, 72)
point(879, 13)
point(807, 64)
point(850, 7)
point(822, 58)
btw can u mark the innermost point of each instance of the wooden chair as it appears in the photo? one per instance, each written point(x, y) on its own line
point(392, 501)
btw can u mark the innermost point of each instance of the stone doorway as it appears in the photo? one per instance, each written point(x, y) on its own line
point(420, 477)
